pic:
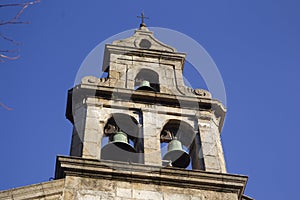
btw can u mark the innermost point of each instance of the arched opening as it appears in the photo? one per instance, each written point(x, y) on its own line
point(180, 146)
point(149, 76)
point(122, 139)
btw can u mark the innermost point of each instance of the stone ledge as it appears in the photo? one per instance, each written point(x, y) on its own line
point(40, 190)
point(82, 91)
point(139, 173)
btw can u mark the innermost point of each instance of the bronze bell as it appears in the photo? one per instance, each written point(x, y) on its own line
point(119, 149)
point(177, 155)
point(145, 85)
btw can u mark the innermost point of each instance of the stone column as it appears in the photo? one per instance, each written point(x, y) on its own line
point(93, 132)
point(79, 114)
point(152, 154)
point(211, 147)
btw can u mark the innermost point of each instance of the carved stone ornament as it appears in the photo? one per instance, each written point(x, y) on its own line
point(202, 93)
point(95, 81)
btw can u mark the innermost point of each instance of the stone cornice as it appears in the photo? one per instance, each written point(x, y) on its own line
point(149, 97)
point(112, 170)
point(191, 102)
point(82, 91)
point(125, 50)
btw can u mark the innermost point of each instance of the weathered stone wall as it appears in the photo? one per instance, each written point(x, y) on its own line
point(97, 189)
point(124, 68)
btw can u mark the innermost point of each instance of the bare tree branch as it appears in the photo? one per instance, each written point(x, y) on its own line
point(17, 16)
point(5, 107)
point(12, 21)
point(19, 4)
point(8, 51)
point(11, 4)
point(9, 39)
point(3, 57)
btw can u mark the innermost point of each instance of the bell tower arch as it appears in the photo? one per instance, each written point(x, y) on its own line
point(147, 75)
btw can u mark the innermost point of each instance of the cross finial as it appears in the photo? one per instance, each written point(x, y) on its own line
point(143, 19)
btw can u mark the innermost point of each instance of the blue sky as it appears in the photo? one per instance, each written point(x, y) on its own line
point(255, 44)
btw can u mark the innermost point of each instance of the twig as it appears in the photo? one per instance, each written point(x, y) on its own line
point(8, 51)
point(2, 57)
point(14, 20)
point(9, 39)
point(5, 107)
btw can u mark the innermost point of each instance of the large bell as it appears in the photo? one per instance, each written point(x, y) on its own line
point(145, 85)
point(119, 149)
point(176, 155)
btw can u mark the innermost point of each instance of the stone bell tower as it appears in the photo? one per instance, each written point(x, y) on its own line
point(145, 99)
point(142, 125)
point(141, 133)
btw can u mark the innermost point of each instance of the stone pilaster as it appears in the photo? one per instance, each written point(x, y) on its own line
point(211, 148)
point(152, 153)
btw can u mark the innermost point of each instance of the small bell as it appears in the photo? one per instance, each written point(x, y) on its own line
point(177, 155)
point(119, 149)
point(145, 85)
